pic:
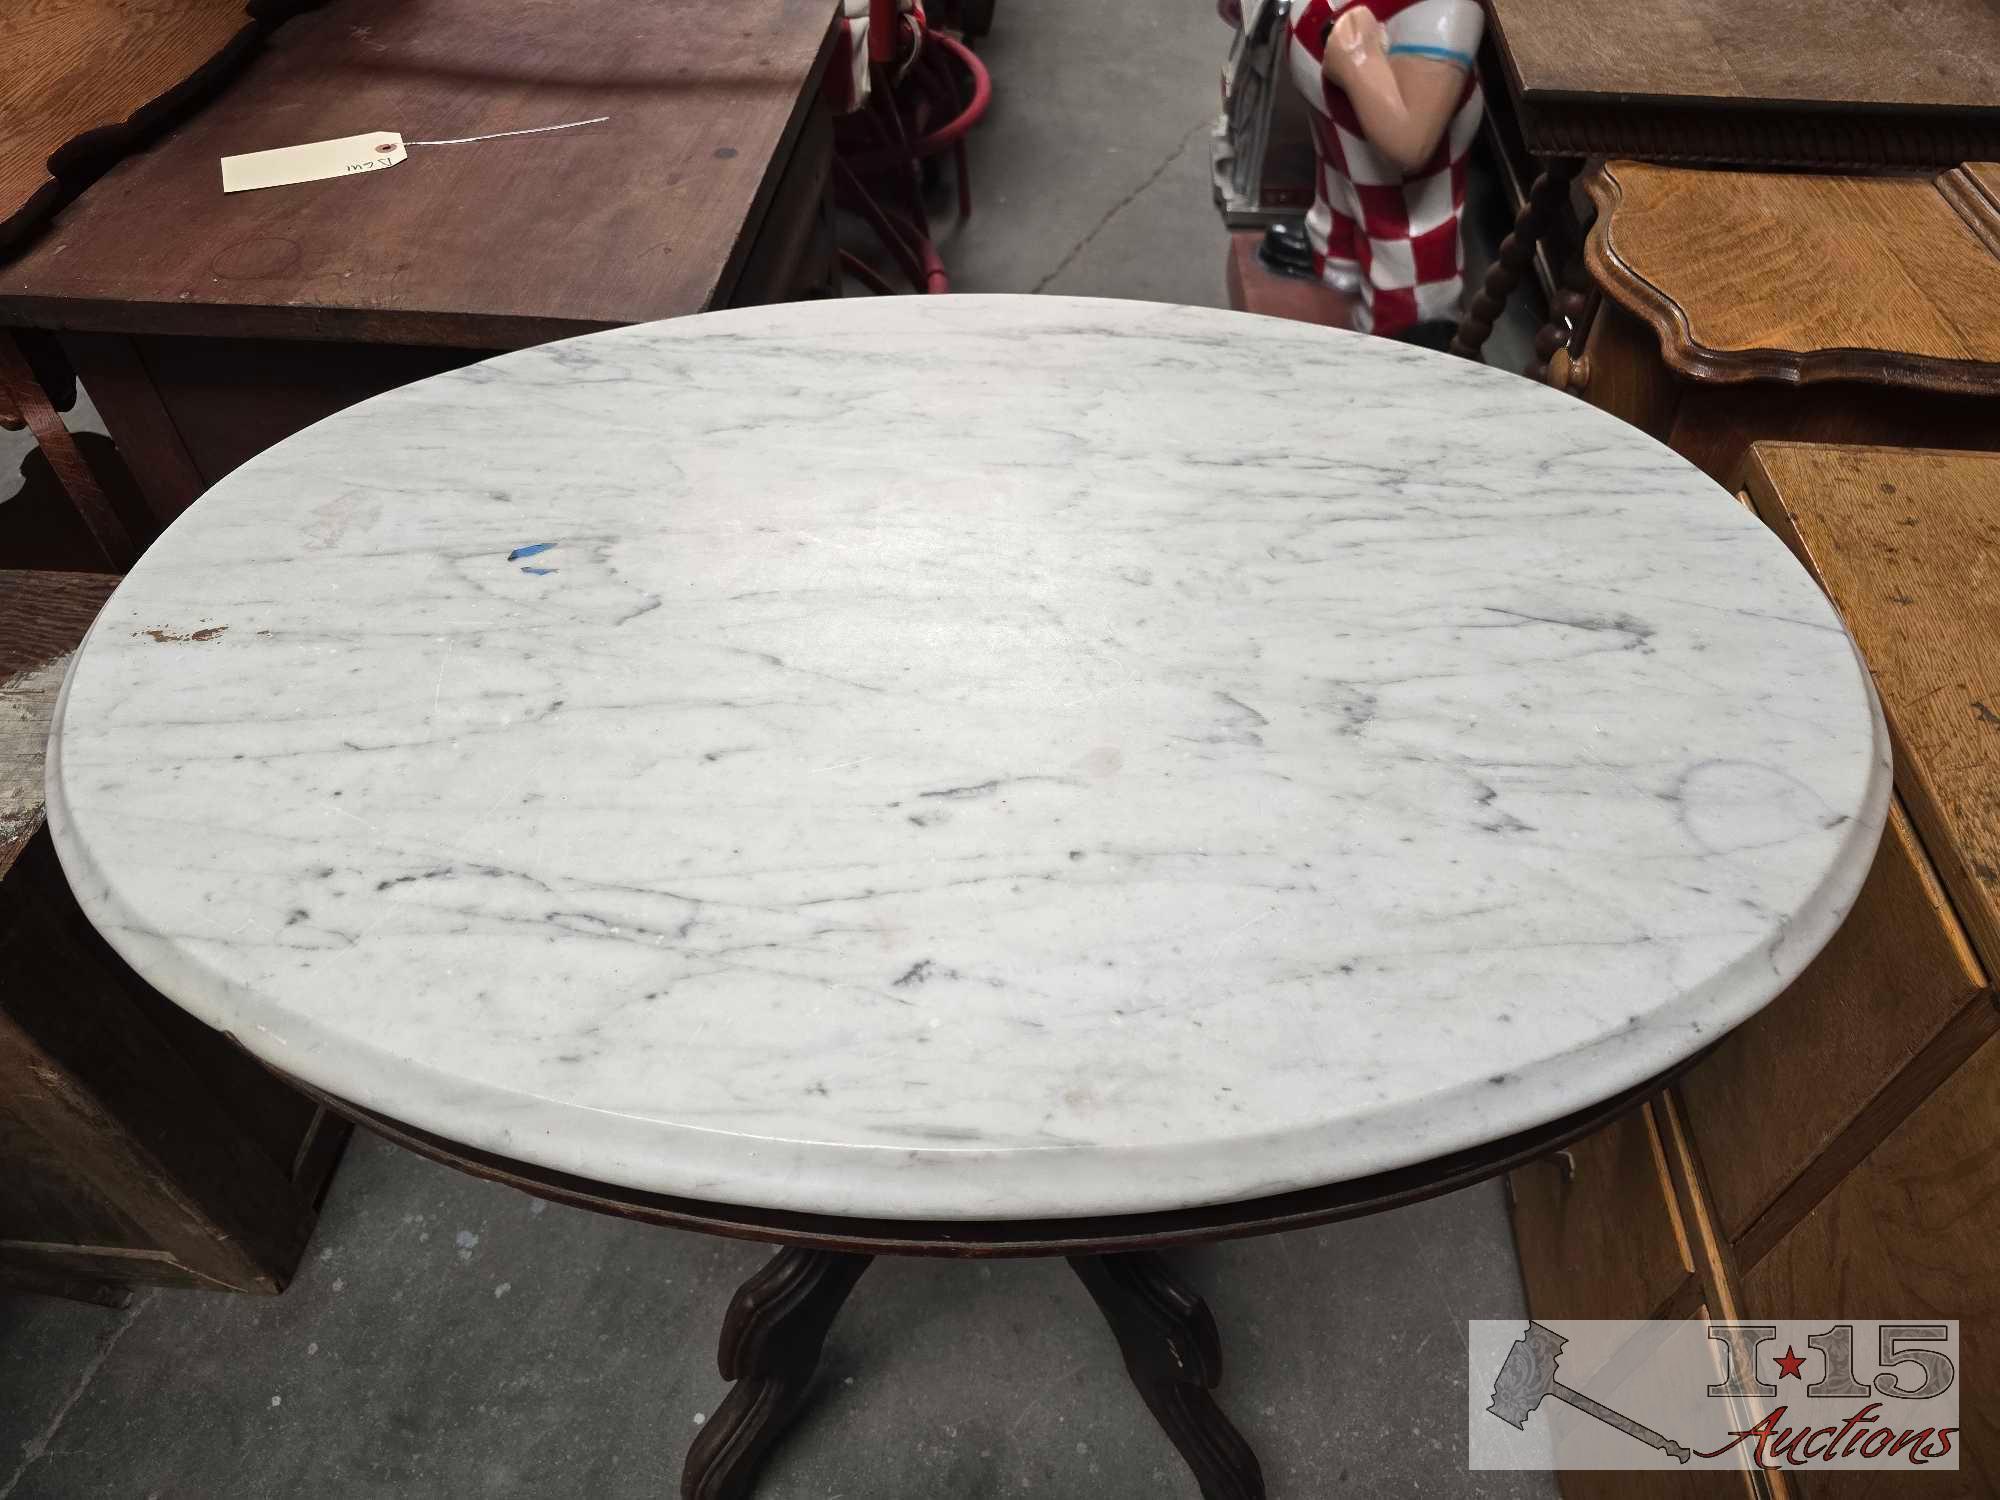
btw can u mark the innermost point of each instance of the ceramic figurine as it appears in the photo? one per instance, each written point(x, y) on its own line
point(1395, 106)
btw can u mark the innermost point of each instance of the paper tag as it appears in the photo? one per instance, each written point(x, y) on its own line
point(346, 157)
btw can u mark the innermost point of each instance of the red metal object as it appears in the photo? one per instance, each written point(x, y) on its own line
point(884, 27)
point(909, 118)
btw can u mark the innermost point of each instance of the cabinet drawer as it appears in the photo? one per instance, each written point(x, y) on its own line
point(1662, 1484)
point(1913, 1231)
point(1778, 1090)
point(1597, 1226)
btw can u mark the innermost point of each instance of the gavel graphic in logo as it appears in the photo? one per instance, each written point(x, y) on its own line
point(1530, 1374)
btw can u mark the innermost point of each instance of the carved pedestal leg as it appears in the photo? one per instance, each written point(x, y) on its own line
point(1515, 253)
point(771, 1341)
point(1174, 1357)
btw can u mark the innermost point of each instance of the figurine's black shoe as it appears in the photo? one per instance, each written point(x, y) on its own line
point(1287, 251)
point(1433, 333)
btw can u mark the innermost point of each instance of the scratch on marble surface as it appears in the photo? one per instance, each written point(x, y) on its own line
point(437, 687)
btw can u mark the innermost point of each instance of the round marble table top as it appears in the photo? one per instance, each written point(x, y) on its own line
point(969, 757)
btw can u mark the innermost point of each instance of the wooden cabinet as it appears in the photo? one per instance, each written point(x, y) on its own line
point(1836, 1155)
point(1600, 1224)
point(136, 1145)
point(1907, 542)
point(1726, 308)
point(1912, 1232)
point(1663, 1484)
point(1896, 974)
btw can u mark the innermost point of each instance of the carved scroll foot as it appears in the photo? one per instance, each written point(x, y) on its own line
point(1174, 1357)
point(771, 1340)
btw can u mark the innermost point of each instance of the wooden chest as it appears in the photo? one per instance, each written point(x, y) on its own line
point(1839, 1154)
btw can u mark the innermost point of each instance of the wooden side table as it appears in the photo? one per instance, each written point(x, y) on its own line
point(136, 1147)
point(1729, 307)
point(1834, 1154)
point(1742, 82)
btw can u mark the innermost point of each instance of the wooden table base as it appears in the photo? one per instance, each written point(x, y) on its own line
point(778, 1321)
point(771, 1340)
point(1174, 1356)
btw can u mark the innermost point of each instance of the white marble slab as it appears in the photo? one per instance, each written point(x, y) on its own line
point(969, 757)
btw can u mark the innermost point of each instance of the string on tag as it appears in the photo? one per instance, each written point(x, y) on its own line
point(466, 140)
point(346, 156)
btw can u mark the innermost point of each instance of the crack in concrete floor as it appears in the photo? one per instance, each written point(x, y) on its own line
point(35, 1447)
point(1201, 127)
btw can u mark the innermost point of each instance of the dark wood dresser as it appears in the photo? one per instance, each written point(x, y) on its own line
point(136, 1145)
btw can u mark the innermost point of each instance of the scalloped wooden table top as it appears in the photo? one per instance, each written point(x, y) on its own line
point(109, 69)
point(1800, 277)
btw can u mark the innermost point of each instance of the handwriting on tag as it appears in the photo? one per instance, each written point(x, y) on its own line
point(349, 156)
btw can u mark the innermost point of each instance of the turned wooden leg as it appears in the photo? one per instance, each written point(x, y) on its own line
point(1567, 317)
point(771, 1340)
point(21, 392)
point(1516, 251)
point(1174, 1357)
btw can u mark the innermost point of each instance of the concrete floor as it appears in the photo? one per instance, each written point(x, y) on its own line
point(448, 1337)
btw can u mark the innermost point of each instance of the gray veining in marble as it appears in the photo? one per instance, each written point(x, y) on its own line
point(972, 756)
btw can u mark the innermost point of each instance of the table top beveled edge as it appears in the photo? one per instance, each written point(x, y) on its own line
point(1277, 1213)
